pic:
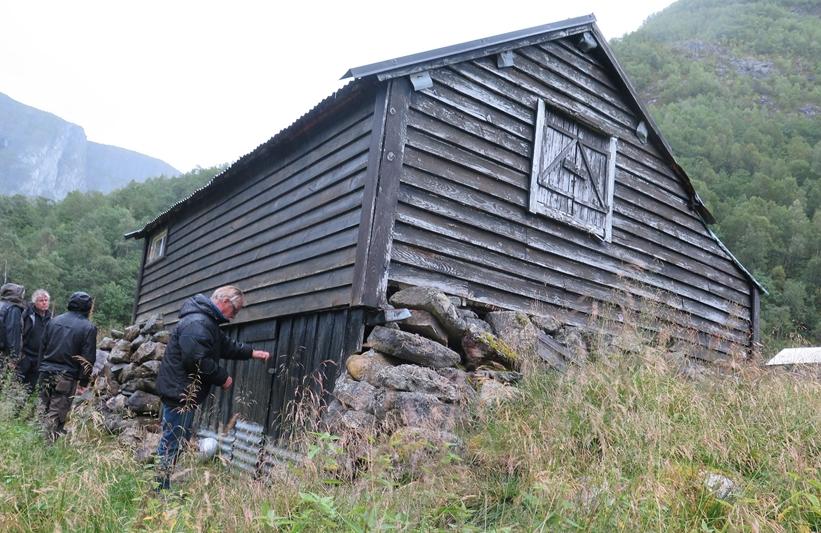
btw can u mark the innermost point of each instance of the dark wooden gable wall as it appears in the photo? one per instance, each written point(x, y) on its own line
point(463, 223)
point(285, 230)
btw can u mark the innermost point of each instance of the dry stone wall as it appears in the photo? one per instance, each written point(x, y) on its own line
point(125, 389)
point(426, 374)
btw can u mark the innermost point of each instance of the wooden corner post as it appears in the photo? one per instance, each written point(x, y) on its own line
point(381, 195)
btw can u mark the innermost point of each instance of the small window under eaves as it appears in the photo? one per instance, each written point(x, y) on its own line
point(156, 248)
point(573, 173)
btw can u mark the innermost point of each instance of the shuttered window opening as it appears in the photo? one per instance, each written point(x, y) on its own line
point(573, 173)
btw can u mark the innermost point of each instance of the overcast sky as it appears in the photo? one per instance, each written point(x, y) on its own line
point(201, 82)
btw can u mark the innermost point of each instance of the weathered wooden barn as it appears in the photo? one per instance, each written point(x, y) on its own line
point(519, 170)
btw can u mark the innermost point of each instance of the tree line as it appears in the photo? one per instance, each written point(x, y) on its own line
point(77, 243)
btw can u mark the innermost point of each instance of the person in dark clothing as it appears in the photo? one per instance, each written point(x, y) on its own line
point(190, 368)
point(35, 318)
point(67, 356)
point(12, 305)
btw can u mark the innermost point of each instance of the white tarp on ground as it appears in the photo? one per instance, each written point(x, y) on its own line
point(797, 356)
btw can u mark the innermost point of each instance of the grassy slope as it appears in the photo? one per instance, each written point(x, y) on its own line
point(622, 443)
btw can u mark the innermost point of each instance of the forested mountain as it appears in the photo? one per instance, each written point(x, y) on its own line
point(734, 87)
point(77, 243)
point(44, 155)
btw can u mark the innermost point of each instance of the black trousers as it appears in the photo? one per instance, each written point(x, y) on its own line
point(28, 371)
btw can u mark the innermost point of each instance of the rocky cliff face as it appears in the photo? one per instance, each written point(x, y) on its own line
point(43, 155)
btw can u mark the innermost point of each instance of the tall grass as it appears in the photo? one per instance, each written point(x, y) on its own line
point(623, 442)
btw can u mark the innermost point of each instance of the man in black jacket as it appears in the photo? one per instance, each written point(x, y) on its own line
point(35, 318)
point(67, 356)
point(12, 304)
point(190, 367)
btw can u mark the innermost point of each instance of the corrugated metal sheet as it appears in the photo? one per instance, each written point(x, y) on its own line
point(247, 446)
point(246, 450)
point(797, 356)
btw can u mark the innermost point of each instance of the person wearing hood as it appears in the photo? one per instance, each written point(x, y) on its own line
point(12, 305)
point(191, 367)
point(35, 318)
point(67, 356)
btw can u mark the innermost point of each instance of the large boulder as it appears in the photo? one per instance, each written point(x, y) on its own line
point(494, 392)
point(357, 395)
point(425, 324)
point(113, 421)
point(117, 404)
point(100, 360)
point(121, 352)
point(146, 352)
point(459, 379)
point(152, 325)
point(161, 336)
point(140, 384)
point(117, 356)
point(106, 344)
point(514, 329)
point(414, 451)
point(340, 420)
point(548, 323)
point(412, 348)
point(435, 303)
point(130, 333)
point(142, 372)
point(477, 325)
point(126, 373)
point(573, 340)
point(144, 403)
point(136, 343)
point(484, 349)
point(364, 366)
point(413, 378)
point(151, 366)
point(418, 409)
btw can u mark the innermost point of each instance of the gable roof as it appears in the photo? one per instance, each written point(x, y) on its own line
point(456, 53)
point(419, 62)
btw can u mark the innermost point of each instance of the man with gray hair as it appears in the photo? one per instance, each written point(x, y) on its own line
point(35, 318)
point(190, 367)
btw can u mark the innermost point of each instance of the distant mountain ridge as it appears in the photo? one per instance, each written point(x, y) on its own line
point(44, 155)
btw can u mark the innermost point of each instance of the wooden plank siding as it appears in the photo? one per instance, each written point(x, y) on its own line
point(463, 225)
point(286, 233)
point(308, 350)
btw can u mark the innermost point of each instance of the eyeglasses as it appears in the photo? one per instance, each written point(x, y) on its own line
point(234, 308)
